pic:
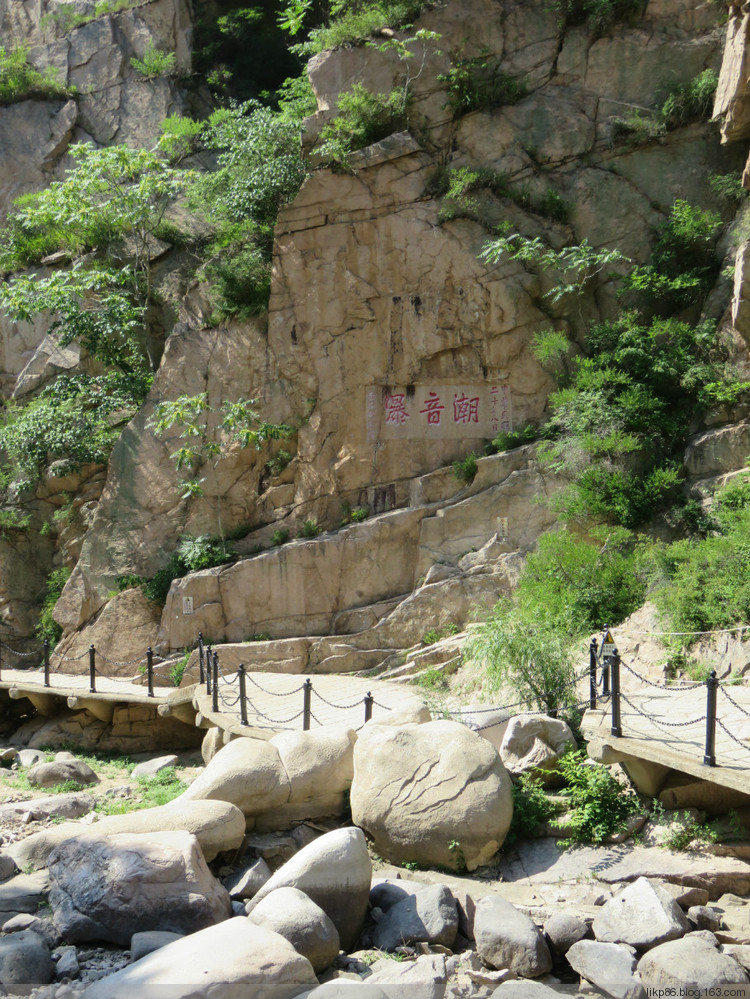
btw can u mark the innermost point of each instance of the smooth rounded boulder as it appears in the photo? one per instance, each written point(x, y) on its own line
point(335, 871)
point(217, 825)
point(290, 912)
point(59, 771)
point(108, 888)
point(246, 772)
point(25, 960)
point(434, 794)
point(535, 743)
point(234, 953)
point(691, 961)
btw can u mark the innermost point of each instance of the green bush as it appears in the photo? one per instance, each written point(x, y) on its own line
point(508, 439)
point(728, 188)
point(524, 646)
point(354, 21)
point(618, 425)
point(310, 529)
point(465, 469)
point(192, 555)
point(154, 63)
point(689, 102)
point(479, 83)
point(683, 264)
point(531, 809)
point(587, 581)
point(48, 629)
point(20, 81)
point(599, 15)
point(600, 804)
point(280, 537)
point(364, 117)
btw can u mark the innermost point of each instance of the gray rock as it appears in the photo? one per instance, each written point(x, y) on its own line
point(608, 966)
point(299, 920)
point(525, 990)
point(7, 867)
point(642, 915)
point(507, 938)
point(689, 961)
point(429, 915)
point(66, 806)
point(67, 965)
point(23, 893)
point(25, 960)
point(238, 908)
point(386, 893)
point(703, 917)
point(150, 768)
point(108, 888)
point(740, 953)
point(43, 928)
point(63, 756)
point(30, 757)
point(50, 774)
point(421, 979)
point(563, 930)
point(8, 755)
point(147, 941)
point(246, 884)
point(233, 953)
point(334, 871)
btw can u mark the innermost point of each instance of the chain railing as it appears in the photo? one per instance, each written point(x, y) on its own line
point(713, 686)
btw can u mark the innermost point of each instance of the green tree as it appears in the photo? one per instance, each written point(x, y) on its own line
point(107, 209)
point(205, 435)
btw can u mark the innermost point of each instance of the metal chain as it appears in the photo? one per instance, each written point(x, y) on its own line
point(70, 659)
point(228, 703)
point(312, 716)
point(661, 686)
point(21, 655)
point(117, 662)
point(276, 721)
point(273, 693)
point(731, 700)
point(340, 707)
point(383, 706)
point(733, 737)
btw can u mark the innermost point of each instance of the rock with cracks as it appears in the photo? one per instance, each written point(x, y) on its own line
point(434, 794)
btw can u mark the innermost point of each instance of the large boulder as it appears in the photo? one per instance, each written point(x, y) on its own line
point(689, 961)
point(335, 872)
point(642, 915)
point(217, 825)
point(294, 776)
point(429, 915)
point(608, 966)
point(299, 920)
point(108, 888)
point(507, 938)
point(435, 794)
point(60, 771)
point(25, 960)
point(535, 743)
point(233, 953)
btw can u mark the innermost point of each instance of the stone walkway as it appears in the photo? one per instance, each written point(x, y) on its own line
point(275, 700)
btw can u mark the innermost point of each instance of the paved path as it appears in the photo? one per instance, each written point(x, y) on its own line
point(275, 700)
point(66, 684)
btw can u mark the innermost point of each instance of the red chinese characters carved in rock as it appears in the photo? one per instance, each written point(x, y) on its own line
point(433, 409)
point(465, 409)
point(395, 410)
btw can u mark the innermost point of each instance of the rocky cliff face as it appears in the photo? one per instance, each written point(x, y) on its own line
point(389, 344)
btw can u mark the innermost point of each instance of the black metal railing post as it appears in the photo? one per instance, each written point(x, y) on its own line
point(307, 697)
point(368, 706)
point(712, 685)
point(208, 670)
point(215, 683)
point(605, 665)
point(243, 694)
point(615, 667)
point(200, 657)
point(92, 669)
point(592, 673)
point(46, 662)
point(150, 671)
point(1, 661)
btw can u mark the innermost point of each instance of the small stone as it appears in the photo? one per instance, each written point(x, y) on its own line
point(67, 963)
point(150, 768)
point(704, 917)
point(563, 930)
point(148, 941)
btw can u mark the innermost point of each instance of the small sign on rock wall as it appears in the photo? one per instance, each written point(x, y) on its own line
point(187, 605)
point(442, 412)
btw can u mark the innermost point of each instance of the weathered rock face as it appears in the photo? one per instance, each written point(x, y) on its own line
point(435, 794)
point(109, 888)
